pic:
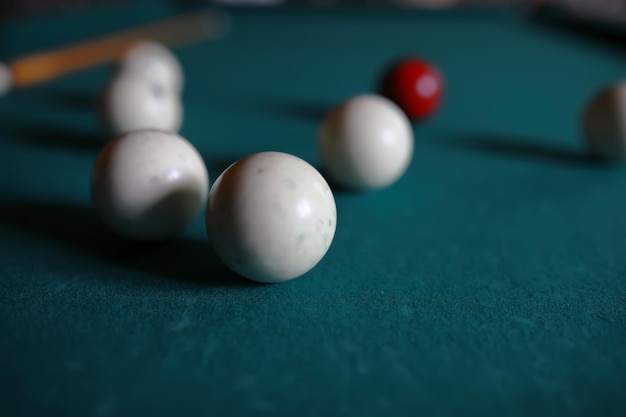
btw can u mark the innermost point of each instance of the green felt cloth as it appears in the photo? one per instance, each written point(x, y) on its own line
point(489, 281)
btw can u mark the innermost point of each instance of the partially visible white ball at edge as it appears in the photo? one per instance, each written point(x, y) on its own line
point(604, 122)
point(149, 185)
point(6, 78)
point(365, 143)
point(132, 102)
point(155, 62)
point(271, 217)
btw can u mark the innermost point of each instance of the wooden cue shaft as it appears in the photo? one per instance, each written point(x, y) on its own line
point(43, 66)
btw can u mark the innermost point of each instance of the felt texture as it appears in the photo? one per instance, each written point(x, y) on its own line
point(490, 280)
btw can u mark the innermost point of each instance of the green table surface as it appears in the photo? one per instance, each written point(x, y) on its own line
point(490, 280)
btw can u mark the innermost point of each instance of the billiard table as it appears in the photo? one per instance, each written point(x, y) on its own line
point(489, 280)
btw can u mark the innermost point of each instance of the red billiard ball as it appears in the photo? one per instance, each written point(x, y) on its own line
point(414, 85)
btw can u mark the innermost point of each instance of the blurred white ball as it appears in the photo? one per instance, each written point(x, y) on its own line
point(132, 102)
point(155, 62)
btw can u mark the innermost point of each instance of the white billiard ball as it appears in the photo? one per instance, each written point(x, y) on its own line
point(149, 185)
point(365, 143)
point(271, 217)
point(132, 102)
point(155, 62)
point(6, 78)
point(604, 122)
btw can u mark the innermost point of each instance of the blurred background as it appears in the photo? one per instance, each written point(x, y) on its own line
point(602, 10)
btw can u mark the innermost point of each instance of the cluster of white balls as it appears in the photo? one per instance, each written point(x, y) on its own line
point(145, 91)
point(271, 216)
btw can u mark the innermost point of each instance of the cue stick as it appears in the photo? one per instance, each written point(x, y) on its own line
point(43, 66)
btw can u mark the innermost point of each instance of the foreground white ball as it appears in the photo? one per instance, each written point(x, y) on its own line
point(365, 143)
point(149, 185)
point(155, 62)
point(604, 122)
point(132, 102)
point(271, 217)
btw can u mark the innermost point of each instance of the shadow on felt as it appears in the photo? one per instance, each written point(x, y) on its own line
point(338, 188)
point(79, 228)
point(79, 100)
point(300, 109)
point(609, 35)
point(216, 164)
point(56, 136)
point(291, 108)
point(42, 131)
point(518, 147)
